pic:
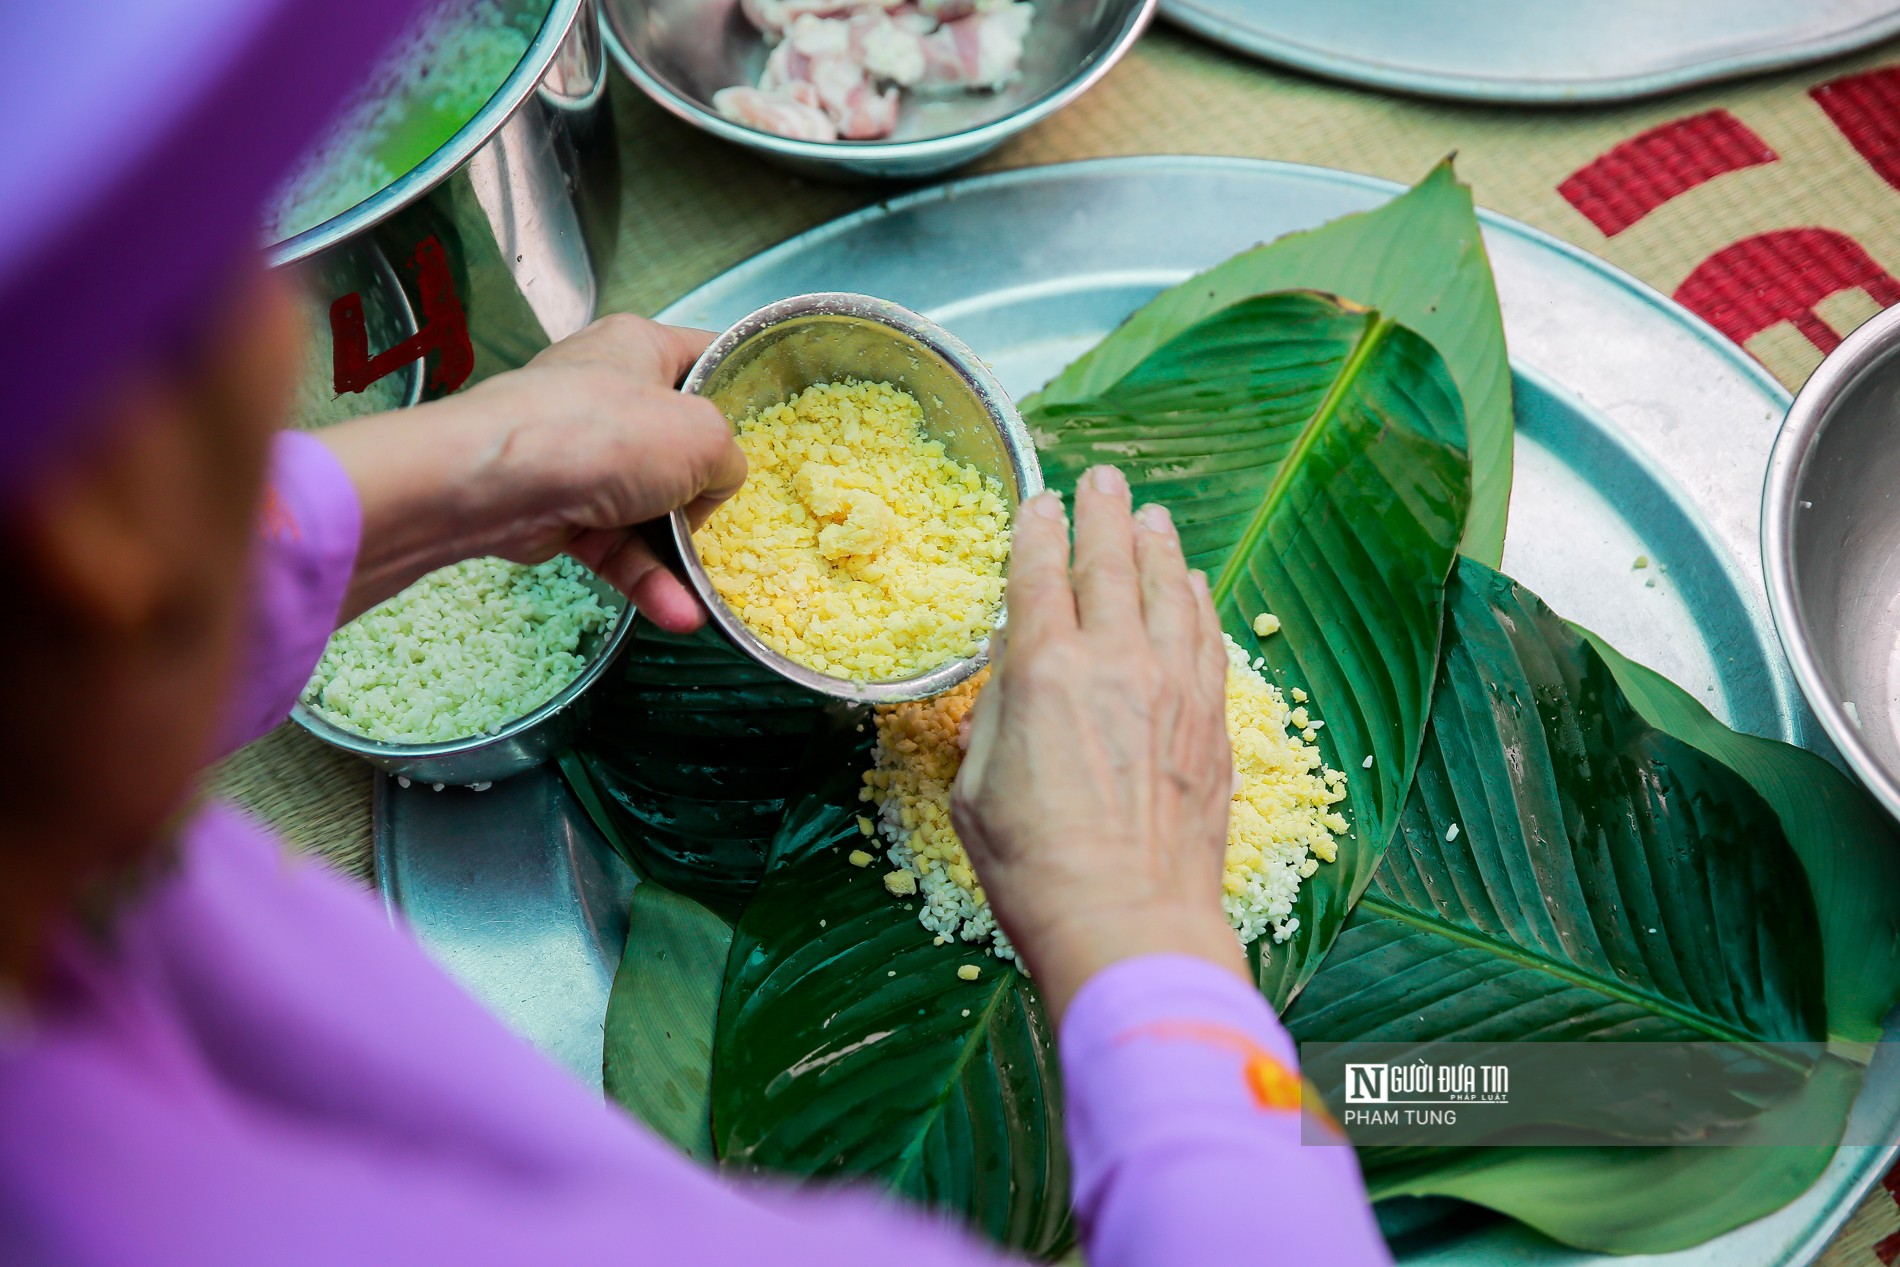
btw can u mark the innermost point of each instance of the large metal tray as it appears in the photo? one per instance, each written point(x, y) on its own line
point(1640, 431)
point(1559, 52)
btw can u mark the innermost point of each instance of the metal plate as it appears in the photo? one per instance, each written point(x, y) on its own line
point(1640, 431)
point(1553, 52)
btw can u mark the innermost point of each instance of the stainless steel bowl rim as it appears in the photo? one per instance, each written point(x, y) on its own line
point(1807, 418)
point(989, 392)
point(408, 753)
point(439, 166)
point(968, 142)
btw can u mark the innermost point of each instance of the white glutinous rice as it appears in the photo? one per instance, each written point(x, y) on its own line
point(462, 652)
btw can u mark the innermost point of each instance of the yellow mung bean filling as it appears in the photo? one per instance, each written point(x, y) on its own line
point(857, 546)
point(1283, 821)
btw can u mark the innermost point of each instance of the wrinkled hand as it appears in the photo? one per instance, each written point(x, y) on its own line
point(570, 453)
point(1094, 796)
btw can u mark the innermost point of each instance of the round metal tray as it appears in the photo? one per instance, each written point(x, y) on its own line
point(1547, 54)
point(1640, 431)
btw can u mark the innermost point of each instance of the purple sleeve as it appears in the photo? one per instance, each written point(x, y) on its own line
point(1184, 1125)
point(306, 550)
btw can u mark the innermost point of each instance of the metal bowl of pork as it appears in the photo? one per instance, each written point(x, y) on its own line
point(783, 348)
point(1831, 549)
point(682, 52)
point(519, 746)
point(495, 240)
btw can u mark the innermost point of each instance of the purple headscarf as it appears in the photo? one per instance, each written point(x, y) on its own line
point(139, 140)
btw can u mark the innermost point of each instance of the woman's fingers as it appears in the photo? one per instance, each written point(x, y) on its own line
point(664, 599)
point(680, 448)
point(653, 354)
point(682, 345)
point(1210, 649)
point(700, 509)
point(623, 559)
point(724, 465)
point(985, 719)
point(1107, 588)
point(1041, 603)
point(1168, 603)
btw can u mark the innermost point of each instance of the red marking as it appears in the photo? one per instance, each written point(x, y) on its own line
point(1892, 1184)
point(1888, 1250)
point(443, 329)
point(276, 520)
point(1621, 187)
point(1866, 109)
point(1761, 281)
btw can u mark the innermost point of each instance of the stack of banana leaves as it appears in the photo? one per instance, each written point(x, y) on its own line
point(1329, 419)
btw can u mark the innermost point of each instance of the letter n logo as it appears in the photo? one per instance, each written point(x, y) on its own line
point(1365, 1084)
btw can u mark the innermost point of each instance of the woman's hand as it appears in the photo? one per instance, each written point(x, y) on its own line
point(570, 453)
point(1093, 799)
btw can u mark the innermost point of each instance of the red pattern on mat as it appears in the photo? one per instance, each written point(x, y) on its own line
point(1619, 188)
point(1782, 275)
point(1866, 109)
point(1888, 1250)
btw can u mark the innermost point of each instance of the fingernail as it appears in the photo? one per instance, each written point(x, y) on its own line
point(1155, 518)
point(1044, 506)
point(1107, 479)
point(1198, 579)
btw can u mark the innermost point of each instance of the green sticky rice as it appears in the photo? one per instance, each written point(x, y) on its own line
point(438, 78)
point(462, 652)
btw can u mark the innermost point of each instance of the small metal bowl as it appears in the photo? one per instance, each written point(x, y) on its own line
point(1831, 549)
point(681, 52)
point(518, 746)
point(785, 347)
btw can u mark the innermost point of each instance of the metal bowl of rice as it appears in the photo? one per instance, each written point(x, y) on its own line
point(786, 347)
point(509, 749)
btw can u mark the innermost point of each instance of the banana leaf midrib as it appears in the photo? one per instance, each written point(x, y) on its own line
point(1375, 904)
point(1377, 327)
point(972, 1041)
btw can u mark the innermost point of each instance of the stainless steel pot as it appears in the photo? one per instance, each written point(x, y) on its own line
point(1831, 549)
point(523, 201)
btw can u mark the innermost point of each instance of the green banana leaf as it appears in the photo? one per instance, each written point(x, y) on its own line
point(1312, 455)
point(1565, 873)
point(1419, 259)
point(1849, 847)
point(848, 1046)
point(1635, 1200)
point(692, 753)
point(656, 1060)
point(1582, 827)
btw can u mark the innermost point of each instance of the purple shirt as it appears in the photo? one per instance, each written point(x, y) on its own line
point(256, 1068)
